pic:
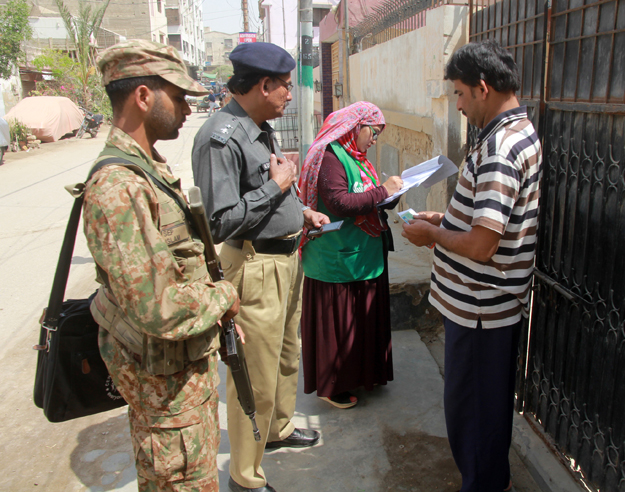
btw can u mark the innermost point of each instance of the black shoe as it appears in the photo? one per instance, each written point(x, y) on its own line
point(235, 487)
point(299, 438)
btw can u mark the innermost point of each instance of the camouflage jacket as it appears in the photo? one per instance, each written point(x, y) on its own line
point(146, 280)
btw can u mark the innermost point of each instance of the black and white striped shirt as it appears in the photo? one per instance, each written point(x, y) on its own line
point(499, 189)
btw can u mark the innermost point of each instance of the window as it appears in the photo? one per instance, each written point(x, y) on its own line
point(159, 5)
point(228, 43)
point(209, 46)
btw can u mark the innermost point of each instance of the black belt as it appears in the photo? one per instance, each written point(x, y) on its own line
point(275, 246)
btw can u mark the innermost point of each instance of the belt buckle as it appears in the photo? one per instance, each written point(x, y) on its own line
point(295, 243)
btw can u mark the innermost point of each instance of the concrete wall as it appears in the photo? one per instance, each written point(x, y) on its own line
point(11, 90)
point(404, 77)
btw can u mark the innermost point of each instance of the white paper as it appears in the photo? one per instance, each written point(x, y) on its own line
point(427, 173)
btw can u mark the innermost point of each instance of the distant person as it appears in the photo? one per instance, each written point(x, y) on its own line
point(157, 307)
point(211, 102)
point(346, 317)
point(483, 261)
point(252, 205)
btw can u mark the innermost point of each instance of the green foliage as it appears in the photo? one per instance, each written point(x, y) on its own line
point(14, 28)
point(98, 100)
point(80, 29)
point(67, 82)
point(18, 130)
point(59, 63)
point(224, 72)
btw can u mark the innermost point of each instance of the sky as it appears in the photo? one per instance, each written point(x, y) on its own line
point(226, 15)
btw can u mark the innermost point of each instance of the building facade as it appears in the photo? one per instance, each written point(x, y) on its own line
point(140, 19)
point(185, 30)
point(218, 46)
point(175, 22)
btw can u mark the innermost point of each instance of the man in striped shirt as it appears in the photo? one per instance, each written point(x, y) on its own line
point(483, 261)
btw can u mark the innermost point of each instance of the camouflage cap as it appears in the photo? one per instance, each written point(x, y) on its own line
point(143, 58)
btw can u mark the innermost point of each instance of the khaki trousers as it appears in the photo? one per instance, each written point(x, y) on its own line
point(270, 288)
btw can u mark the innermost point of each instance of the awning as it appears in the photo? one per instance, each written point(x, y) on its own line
point(209, 75)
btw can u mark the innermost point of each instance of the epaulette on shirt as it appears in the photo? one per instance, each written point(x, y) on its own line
point(224, 131)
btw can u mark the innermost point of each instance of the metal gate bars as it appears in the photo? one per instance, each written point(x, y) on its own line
point(572, 60)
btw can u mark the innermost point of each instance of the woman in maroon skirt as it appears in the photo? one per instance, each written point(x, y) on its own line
point(346, 325)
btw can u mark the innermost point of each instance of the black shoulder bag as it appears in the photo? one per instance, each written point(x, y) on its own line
point(72, 380)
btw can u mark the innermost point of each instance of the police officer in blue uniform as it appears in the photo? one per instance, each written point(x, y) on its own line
point(249, 191)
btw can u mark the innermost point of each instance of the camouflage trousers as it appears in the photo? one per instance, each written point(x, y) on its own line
point(178, 459)
point(173, 452)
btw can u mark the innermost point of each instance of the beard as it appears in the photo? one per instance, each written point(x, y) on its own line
point(163, 123)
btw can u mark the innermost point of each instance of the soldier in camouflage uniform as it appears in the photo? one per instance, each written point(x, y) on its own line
point(157, 307)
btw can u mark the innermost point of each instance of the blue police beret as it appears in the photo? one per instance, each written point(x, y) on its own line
point(261, 57)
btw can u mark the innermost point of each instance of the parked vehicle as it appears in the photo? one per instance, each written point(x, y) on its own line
point(91, 124)
point(203, 104)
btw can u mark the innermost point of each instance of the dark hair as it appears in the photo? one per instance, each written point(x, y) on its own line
point(119, 90)
point(242, 82)
point(486, 61)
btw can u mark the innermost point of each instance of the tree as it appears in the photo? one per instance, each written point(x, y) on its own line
point(80, 30)
point(14, 28)
point(224, 72)
point(66, 82)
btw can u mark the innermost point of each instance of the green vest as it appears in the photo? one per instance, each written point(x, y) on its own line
point(349, 254)
point(158, 356)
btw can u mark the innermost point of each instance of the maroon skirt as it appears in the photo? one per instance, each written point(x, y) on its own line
point(346, 335)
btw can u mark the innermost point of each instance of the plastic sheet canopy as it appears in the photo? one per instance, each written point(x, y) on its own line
point(48, 117)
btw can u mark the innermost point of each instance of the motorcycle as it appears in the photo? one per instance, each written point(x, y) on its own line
point(91, 124)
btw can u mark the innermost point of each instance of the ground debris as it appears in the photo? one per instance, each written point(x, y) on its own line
point(419, 463)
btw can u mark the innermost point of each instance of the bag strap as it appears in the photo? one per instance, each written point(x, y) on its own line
point(59, 284)
point(143, 170)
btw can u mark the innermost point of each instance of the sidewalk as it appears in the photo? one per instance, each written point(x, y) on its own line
point(393, 440)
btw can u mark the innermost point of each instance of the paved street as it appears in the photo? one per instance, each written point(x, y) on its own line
point(93, 453)
point(394, 440)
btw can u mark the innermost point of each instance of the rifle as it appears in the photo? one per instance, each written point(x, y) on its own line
point(234, 347)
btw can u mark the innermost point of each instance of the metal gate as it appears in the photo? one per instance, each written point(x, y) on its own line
point(572, 374)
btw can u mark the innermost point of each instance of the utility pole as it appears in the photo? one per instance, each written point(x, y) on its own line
point(283, 26)
point(306, 103)
point(246, 21)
